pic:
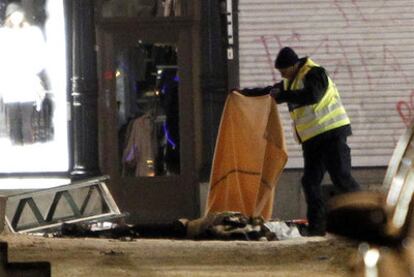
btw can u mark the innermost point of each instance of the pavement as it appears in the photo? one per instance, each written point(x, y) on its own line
point(305, 256)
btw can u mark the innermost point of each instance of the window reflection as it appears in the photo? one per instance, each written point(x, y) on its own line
point(144, 8)
point(24, 84)
point(33, 132)
point(147, 96)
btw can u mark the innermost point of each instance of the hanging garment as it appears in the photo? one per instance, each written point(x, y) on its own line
point(139, 153)
point(249, 157)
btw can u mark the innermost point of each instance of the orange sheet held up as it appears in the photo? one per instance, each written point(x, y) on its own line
point(249, 157)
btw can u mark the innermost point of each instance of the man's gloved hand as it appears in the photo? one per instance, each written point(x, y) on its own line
point(277, 93)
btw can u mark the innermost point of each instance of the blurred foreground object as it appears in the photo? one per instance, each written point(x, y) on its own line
point(382, 219)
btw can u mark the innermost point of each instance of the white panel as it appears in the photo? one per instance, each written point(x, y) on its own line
point(367, 46)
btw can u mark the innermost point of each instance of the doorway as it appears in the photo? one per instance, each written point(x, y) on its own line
point(146, 119)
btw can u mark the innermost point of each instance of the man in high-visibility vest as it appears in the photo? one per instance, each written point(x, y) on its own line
point(320, 124)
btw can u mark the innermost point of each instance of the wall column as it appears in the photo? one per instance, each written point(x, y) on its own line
point(84, 96)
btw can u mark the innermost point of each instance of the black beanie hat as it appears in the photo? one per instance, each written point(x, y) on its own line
point(286, 57)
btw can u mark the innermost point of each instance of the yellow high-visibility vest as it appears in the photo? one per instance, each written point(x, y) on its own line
point(327, 114)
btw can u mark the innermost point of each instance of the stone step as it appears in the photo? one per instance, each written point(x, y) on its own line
point(26, 269)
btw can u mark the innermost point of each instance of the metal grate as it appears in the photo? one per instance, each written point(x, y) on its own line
point(37, 211)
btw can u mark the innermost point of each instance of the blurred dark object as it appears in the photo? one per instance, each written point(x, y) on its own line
point(379, 217)
point(97, 230)
point(175, 229)
point(381, 221)
point(359, 216)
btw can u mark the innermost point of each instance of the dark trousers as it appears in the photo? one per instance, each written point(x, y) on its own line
point(19, 117)
point(321, 155)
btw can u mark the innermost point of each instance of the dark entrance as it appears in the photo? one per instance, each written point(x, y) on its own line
point(146, 117)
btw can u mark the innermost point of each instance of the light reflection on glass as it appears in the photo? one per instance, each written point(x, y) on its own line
point(147, 96)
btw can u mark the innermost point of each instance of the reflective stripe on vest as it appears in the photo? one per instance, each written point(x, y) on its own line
point(327, 114)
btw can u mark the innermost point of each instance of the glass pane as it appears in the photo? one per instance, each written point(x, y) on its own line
point(144, 8)
point(33, 113)
point(147, 96)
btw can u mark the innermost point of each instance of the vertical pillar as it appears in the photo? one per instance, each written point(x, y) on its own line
point(232, 43)
point(84, 91)
point(3, 205)
point(214, 79)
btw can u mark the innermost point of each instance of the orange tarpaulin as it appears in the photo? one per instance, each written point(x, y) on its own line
point(249, 157)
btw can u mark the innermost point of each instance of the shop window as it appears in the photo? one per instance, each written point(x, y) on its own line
point(33, 87)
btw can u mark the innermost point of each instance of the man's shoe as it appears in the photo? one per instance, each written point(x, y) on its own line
point(312, 232)
point(316, 233)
